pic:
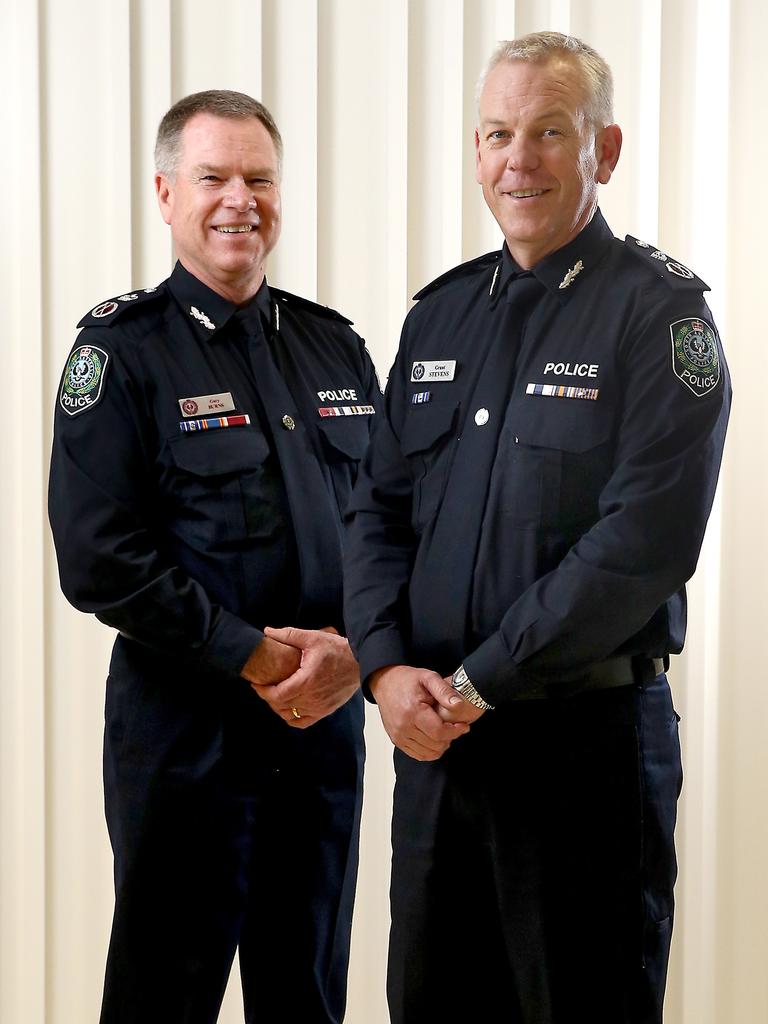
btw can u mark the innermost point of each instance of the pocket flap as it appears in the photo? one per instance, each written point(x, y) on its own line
point(346, 435)
point(567, 424)
point(425, 425)
point(219, 452)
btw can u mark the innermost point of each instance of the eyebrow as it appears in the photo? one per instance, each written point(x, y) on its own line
point(548, 115)
point(259, 172)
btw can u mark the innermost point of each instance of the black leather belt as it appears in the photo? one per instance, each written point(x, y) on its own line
point(620, 672)
point(605, 675)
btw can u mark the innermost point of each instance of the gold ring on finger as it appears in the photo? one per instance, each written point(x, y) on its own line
point(295, 712)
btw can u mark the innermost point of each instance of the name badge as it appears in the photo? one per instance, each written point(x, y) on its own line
point(206, 403)
point(435, 369)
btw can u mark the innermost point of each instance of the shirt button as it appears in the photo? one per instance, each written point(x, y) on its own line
point(481, 417)
point(289, 422)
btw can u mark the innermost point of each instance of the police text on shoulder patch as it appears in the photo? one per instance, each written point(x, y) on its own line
point(83, 380)
point(695, 357)
point(433, 369)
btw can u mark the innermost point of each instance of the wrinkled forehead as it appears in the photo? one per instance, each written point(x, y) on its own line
point(208, 138)
point(522, 88)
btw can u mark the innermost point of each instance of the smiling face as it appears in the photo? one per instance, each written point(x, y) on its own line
point(223, 203)
point(538, 159)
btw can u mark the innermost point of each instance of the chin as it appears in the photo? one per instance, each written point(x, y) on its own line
point(239, 267)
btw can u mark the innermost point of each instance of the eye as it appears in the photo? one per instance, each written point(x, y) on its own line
point(209, 179)
point(263, 184)
point(500, 135)
point(551, 133)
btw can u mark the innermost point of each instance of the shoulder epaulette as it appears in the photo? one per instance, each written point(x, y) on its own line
point(298, 302)
point(463, 269)
point(677, 275)
point(106, 313)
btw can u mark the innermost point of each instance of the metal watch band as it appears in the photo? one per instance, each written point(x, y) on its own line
point(462, 684)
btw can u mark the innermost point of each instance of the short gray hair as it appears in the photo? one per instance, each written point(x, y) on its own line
point(540, 47)
point(219, 102)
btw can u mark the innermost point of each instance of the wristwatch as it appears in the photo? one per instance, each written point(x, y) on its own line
point(462, 684)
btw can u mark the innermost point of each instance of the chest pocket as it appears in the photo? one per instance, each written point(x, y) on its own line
point(428, 442)
point(553, 460)
point(223, 486)
point(344, 438)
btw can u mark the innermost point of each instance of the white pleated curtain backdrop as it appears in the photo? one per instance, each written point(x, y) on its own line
point(376, 105)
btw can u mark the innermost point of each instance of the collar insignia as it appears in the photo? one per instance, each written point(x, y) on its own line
point(576, 269)
point(493, 282)
point(204, 320)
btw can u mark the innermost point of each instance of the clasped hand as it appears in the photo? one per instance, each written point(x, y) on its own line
point(420, 710)
point(308, 673)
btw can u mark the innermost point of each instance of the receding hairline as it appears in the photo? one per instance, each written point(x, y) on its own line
point(209, 166)
point(545, 48)
point(552, 110)
point(225, 104)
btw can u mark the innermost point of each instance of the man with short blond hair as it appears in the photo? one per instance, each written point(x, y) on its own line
point(531, 505)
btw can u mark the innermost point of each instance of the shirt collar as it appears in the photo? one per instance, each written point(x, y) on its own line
point(562, 271)
point(206, 311)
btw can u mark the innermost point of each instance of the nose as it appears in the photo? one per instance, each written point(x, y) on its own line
point(522, 154)
point(239, 196)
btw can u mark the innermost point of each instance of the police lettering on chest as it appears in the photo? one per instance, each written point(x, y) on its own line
point(338, 395)
point(563, 369)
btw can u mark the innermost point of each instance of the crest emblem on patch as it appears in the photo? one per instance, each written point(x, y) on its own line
point(83, 379)
point(695, 357)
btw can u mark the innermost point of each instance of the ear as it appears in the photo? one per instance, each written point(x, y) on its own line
point(607, 150)
point(164, 190)
point(478, 175)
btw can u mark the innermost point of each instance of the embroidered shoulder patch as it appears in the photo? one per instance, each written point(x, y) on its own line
point(695, 356)
point(83, 381)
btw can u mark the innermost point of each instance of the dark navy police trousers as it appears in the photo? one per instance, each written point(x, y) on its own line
point(534, 865)
point(230, 831)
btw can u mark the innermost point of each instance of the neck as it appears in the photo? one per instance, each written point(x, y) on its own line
point(238, 291)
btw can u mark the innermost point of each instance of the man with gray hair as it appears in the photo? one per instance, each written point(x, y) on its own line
point(533, 501)
point(207, 436)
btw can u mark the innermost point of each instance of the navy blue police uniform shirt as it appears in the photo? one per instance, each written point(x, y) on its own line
point(536, 492)
point(198, 450)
